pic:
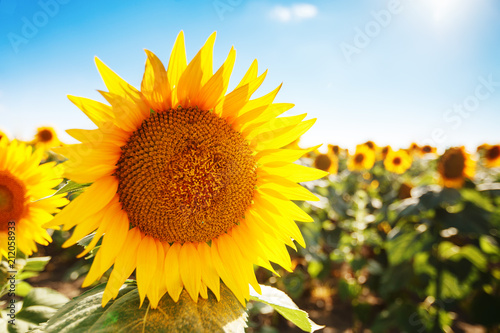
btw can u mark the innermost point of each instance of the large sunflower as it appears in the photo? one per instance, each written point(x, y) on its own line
point(454, 166)
point(363, 158)
point(23, 182)
point(397, 161)
point(190, 185)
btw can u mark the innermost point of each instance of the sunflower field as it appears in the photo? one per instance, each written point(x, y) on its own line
point(178, 213)
point(403, 241)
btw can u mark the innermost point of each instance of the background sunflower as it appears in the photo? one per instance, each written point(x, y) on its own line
point(362, 159)
point(24, 186)
point(454, 166)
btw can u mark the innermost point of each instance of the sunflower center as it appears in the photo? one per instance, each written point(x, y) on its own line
point(359, 158)
point(493, 153)
point(45, 135)
point(426, 149)
point(185, 176)
point(322, 162)
point(370, 144)
point(12, 194)
point(454, 165)
point(396, 160)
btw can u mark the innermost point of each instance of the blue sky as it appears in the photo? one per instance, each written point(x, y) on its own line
point(391, 71)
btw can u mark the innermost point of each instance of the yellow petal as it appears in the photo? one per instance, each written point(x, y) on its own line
point(95, 197)
point(146, 265)
point(124, 265)
point(190, 270)
point(196, 74)
point(216, 87)
point(208, 272)
point(173, 278)
point(294, 172)
point(250, 75)
point(178, 63)
point(155, 86)
point(157, 288)
point(99, 113)
point(281, 137)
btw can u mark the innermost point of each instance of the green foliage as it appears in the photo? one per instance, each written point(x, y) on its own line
point(37, 307)
point(72, 187)
point(285, 306)
point(85, 314)
point(406, 263)
point(24, 268)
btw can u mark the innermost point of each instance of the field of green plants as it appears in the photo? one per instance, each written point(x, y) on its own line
point(392, 252)
point(402, 241)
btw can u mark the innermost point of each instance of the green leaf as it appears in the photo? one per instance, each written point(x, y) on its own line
point(475, 256)
point(471, 220)
point(71, 187)
point(36, 264)
point(285, 306)
point(38, 306)
point(404, 244)
point(85, 241)
point(489, 245)
point(23, 288)
point(85, 314)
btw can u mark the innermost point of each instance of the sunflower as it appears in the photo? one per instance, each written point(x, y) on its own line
point(363, 158)
point(190, 185)
point(454, 166)
point(23, 182)
point(327, 162)
point(492, 156)
point(397, 161)
point(383, 152)
point(371, 145)
point(481, 148)
point(427, 149)
point(414, 148)
point(334, 149)
point(46, 138)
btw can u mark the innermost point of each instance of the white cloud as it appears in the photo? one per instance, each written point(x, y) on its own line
point(295, 12)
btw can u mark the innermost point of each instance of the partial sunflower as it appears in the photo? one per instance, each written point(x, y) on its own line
point(382, 153)
point(414, 148)
point(334, 149)
point(370, 144)
point(454, 166)
point(397, 161)
point(46, 138)
point(363, 159)
point(23, 182)
point(190, 185)
point(492, 156)
point(327, 162)
point(427, 149)
point(481, 148)
point(3, 135)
